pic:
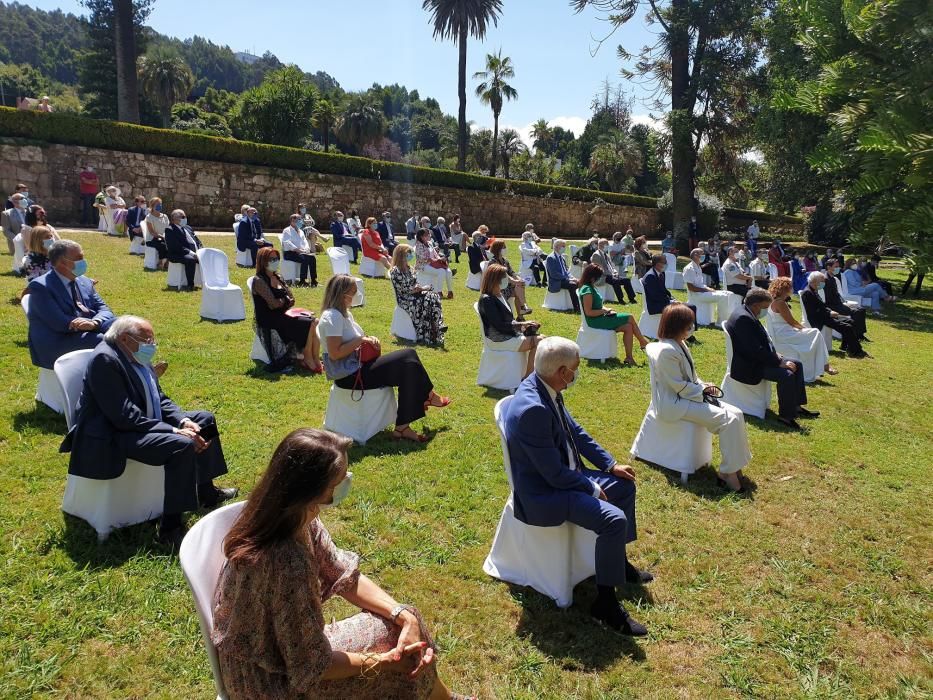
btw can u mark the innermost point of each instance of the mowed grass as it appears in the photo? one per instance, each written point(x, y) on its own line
point(819, 585)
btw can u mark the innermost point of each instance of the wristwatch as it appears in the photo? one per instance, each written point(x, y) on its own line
point(397, 610)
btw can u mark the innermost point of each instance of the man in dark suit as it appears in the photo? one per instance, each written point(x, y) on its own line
point(441, 235)
point(835, 302)
point(477, 254)
point(386, 233)
point(558, 276)
point(135, 216)
point(183, 245)
point(819, 314)
point(657, 295)
point(552, 485)
point(65, 311)
point(754, 358)
point(123, 414)
point(343, 237)
point(249, 234)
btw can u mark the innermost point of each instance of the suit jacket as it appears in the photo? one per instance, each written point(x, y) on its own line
point(247, 232)
point(439, 238)
point(177, 242)
point(134, 218)
point(816, 308)
point(674, 381)
point(557, 271)
point(51, 309)
point(752, 349)
point(497, 319)
point(113, 401)
point(657, 296)
point(476, 256)
point(834, 297)
point(541, 474)
point(339, 230)
point(602, 259)
point(387, 236)
point(798, 275)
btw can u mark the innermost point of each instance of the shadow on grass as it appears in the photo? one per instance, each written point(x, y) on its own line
point(907, 316)
point(259, 371)
point(773, 426)
point(490, 393)
point(572, 635)
point(703, 483)
point(612, 363)
point(79, 541)
point(41, 418)
point(383, 444)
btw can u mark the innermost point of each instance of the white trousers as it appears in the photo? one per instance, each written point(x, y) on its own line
point(728, 423)
point(721, 298)
point(442, 275)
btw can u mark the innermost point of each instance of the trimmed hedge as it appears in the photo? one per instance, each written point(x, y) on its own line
point(761, 216)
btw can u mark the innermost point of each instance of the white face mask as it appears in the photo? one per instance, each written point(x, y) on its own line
point(340, 491)
point(504, 284)
point(576, 375)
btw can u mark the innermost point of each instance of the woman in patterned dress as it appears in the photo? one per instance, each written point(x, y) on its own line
point(269, 630)
point(421, 303)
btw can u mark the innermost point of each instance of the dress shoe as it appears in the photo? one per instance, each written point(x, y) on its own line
point(636, 576)
point(614, 616)
point(808, 414)
point(692, 339)
point(865, 339)
point(789, 422)
point(172, 537)
point(215, 497)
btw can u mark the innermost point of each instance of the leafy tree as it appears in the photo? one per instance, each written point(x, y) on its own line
point(510, 145)
point(47, 41)
point(535, 168)
point(651, 179)
point(361, 123)
point(278, 111)
point(573, 173)
point(324, 119)
point(189, 117)
point(615, 161)
point(480, 149)
point(382, 149)
point(21, 81)
point(456, 20)
point(493, 90)
point(217, 101)
point(165, 79)
point(543, 137)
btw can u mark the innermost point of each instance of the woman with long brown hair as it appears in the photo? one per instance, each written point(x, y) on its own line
point(282, 566)
point(500, 329)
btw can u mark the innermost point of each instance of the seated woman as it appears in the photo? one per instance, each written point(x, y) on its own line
point(154, 226)
point(798, 268)
point(37, 216)
point(642, 257)
point(598, 316)
point(372, 244)
point(531, 251)
point(114, 204)
point(282, 566)
point(776, 258)
point(36, 261)
point(678, 394)
point(432, 263)
point(501, 330)
point(297, 249)
point(272, 301)
point(516, 286)
point(791, 339)
point(341, 337)
point(315, 239)
point(421, 303)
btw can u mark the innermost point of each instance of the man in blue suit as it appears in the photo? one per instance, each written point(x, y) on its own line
point(65, 311)
point(135, 217)
point(343, 237)
point(386, 233)
point(552, 485)
point(183, 244)
point(657, 295)
point(123, 414)
point(249, 234)
point(558, 276)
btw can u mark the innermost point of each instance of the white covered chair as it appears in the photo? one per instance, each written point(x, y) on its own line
point(648, 323)
point(524, 267)
point(402, 326)
point(773, 271)
point(575, 270)
point(372, 268)
point(150, 258)
point(607, 293)
point(177, 279)
point(750, 400)
point(49, 391)
point(291, 270)
point(475, 279)
point(340, 265)
point(557, 301)
point(826, 331)
point(499, 369)
point(680, 446)
point(244, 258)
point(863, 301)
point(135, 496)
point(552, 560)
point(596, 343)
point(136, 246)
point(673, 278)
point(19, 252)
point(704, 309)
point(432, 277)
point(201, 557)
point(360, 420)
point(220, 300)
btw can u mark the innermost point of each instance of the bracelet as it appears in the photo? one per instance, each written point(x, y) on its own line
point(397, 610)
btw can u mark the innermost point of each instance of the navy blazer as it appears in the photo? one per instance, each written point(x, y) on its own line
point(752, 349)
point(113, 401)
point(817, 310)
point(177, 242)
point(247, 233)
point(388, 238)
point(557, 271)
point(657, 295)
point(438, 237)
point(541, 474)
point(52, 309)
point(476, 256)
point(340, 230)
point(134, 218)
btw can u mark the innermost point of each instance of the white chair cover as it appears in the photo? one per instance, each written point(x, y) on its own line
point(473, 281)
point(136, 246)
point(135, 496)
point(201, 556)
point(360, 420)
point(499, 369)
point(575, 270)
point(49, 391)
point(607, 293)
point(524, 267)
point(648, 323)
point(596, 343)
point(258, 351)
point(773, 271)
point(704, 308)
point(19, 252)
point(243, 257)
point(402, 326)
point(430, 277)
point(371, 268)
point(150, 258)
point(340, 265)
point(552, 560)
point(220, 300)
point(177, 279)
point(864, 301)
point(750, 400)
point(673, 279)
point(637, 286)
point(557, 301)
point(291, 270)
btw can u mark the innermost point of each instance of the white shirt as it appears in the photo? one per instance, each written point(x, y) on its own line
point(758, 268)
point(335, 324)
point(570, 456)
point(296, 240)
point(731, 270)
point(694, 275)
point(159, 222)
point(753, 231)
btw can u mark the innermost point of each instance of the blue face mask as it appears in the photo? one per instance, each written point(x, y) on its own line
point(410, 257)
point(274, 266)
point(158, 208)
point(183, 222)
point(821, 285)
point(80, 268)
point(47, 243)
point(145, 352)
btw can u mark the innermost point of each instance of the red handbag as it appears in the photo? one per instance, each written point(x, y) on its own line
point(369, 351)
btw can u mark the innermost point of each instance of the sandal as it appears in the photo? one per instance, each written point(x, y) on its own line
point(444, 402)
point(629, 363)
point(409, 434)
point(831, 371)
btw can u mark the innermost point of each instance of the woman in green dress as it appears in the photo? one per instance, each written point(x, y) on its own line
point(598, 316)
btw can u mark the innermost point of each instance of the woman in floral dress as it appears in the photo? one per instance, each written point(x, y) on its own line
point(269, 630)
point(421, 303)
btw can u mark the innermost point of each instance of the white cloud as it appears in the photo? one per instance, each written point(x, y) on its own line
point(649, 120)
point(574, 124)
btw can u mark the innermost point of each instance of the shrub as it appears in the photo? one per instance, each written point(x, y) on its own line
point(708, 215)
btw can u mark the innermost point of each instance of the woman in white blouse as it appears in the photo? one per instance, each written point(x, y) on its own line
point(113, 203)
point(297, 249)
point(154, 226)
point(353, 221)
point(432, 264)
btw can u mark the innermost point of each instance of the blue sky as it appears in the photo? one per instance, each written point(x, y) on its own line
point(360, 42)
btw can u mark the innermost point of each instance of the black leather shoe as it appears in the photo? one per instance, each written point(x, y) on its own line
point(172, 537)
point(214, 498)
point(808, 414)
point(865, 339)
point(636, 576)
point(789, 422)
point(616, 618)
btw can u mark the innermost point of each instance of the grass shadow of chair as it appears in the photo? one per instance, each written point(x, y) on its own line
point(702, 483)
point(79, 541)
point(259, 371)
point(40, 417)
point(491, 393)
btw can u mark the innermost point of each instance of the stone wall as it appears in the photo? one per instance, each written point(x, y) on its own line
point(212, 192)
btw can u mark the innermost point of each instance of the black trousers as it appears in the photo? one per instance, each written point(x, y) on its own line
point(846, 328)
point(307, 262)
point(740, 289)
point(89, 213)
point(190, 261)
point(185, 469)
point(910, 278)
point(352, 243)
point(857, 316)
point(447, 247)
point(572, 288)
point(253, 247)
point(712, 270)
point(402, 369)
point(791, 389)
point(160, 247)
point(620, 283)
point(538, 270)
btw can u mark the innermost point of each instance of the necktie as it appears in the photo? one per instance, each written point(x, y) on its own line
point(76, 297)
point(561, 413)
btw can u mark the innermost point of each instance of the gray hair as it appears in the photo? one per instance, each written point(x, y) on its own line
point(732, 250)
point(441, 220)
point(425, 219)
point(131, 325)
point(815, 277)
point(553, 353)
point(529, 227)
point(180, 213)
point(757, 295)
point(556, 242)
point(60, 249)
point(696, 251)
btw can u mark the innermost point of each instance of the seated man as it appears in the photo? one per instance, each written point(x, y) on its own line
point(249, 234)
point(182, 244)
point(735, 280)
point(697, 289)
point(657, 295)
point(859, 286)
point(477, 253)
point(552, 485)
point(870, 272)
point(759, 270)
point(65, 311)
point(558, 276)
point(754, 358)
point(123, 414)
point(669, 245)
point(343, 237)
point(819, 314)
point(709, 264)
point(386, 232)
point(835, 302)
point(611, 275)
point(135, 218)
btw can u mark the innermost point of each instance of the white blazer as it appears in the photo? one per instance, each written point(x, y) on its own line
point(674, 380)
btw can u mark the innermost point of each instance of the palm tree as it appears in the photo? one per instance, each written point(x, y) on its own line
point(616, 159)
point(324, 118)
point(125, 50)
point(361, 123)
point(455, 20)
point(166, 80)
point(480, 146)
point(542, 135)
point(493, 90)
point(510, 145)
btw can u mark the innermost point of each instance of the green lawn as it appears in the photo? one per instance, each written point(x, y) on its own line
point(818, 585)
